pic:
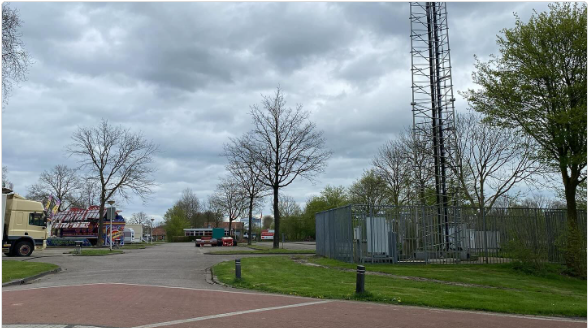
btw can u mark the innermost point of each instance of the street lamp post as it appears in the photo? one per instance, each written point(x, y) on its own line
point(151, 230)
point(111, 218)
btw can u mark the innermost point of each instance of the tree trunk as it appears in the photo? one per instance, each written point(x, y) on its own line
point(575, 252)
point(250, 220)
point(570, 192)
point(276, 220)
point(230, 223)
point(100, 241)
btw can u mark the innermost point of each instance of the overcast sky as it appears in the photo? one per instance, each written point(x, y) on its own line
point(186, 74)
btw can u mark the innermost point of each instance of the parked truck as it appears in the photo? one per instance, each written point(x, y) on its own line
point(24, 224)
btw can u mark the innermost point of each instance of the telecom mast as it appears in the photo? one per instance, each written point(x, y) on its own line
point(432, 98)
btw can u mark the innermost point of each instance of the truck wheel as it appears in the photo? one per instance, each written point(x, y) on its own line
point(23, 248)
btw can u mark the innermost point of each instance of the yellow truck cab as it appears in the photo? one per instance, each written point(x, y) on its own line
point(24, 225)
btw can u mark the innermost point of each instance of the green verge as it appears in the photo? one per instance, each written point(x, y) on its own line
point(98, 252)
point(518, 293)
point(12, 270)
point(134, 246)
point(494, 275)
point(264, 251)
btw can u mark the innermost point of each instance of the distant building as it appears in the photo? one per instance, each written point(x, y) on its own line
point(256, 222)
point(159, 233)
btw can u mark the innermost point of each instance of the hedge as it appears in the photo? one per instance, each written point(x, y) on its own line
point(182, 239)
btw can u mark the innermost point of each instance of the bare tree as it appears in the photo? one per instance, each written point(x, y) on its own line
point(15, 59)
point(285, 146)
point(538, 201)
point(419, 158)
point(5, 182)
point(392, 164)
point(214, 213)
point(491, 160)
point(289, 207)
point(230, 199)
point(117, 160)
point(139, 218)
point(267, 222)
point(88, 194)
point(191, 206)
point(244, 172)
point(61, 182)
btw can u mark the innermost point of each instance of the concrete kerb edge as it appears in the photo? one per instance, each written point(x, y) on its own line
point(212, 279)
point(27, 279)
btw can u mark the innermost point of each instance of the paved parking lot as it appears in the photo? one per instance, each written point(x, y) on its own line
point(177, 265)
point(165, 286)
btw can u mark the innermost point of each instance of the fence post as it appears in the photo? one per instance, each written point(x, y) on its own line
point(456, 244)
point(425, 225)
point(485, 233)
point(360, 280)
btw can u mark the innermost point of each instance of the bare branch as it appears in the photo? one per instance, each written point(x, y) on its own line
point(15, 59)
point(118, 160)
point(284, 145)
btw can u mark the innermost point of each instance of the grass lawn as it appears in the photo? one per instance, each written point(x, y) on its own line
point(141, 245)
point(495, 275)
point(12, 270)
point(265, 251)
point(99, 252)
point(134, 246)
point(516, 292)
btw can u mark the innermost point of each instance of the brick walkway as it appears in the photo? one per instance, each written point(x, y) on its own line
point(139, 306)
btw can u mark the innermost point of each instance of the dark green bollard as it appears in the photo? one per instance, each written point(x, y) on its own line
point(238, 268)
point(360, 282)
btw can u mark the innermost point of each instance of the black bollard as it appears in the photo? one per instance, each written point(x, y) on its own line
point(360, 282)
point(238, 268)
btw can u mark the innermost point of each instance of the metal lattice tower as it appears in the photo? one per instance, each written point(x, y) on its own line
point(432, 95)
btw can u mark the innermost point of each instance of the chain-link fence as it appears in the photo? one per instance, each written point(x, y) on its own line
point(427, 234)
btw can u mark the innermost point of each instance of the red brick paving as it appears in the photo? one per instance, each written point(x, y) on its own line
point(359, 315)
point(119, 305)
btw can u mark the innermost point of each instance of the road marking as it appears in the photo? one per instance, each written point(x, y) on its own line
point(229, 314)
point(532, 317)
point(158, 286)
point(47, 326)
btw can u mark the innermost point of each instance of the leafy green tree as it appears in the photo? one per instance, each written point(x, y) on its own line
point(175, 221)
point(371, 189)
point(537, 85)
point(331, 197)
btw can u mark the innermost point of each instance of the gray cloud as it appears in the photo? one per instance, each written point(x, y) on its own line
point(186, 74)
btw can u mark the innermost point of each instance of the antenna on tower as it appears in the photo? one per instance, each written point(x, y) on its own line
point(432, 100)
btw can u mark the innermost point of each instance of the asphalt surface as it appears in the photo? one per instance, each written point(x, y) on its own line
point(174, 264)
point(166, 286)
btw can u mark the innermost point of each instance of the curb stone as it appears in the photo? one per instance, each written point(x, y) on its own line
point(209, 276)
point(27, 279)
point(214, 279)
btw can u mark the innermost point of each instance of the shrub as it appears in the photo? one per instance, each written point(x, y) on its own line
point(526, 255)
